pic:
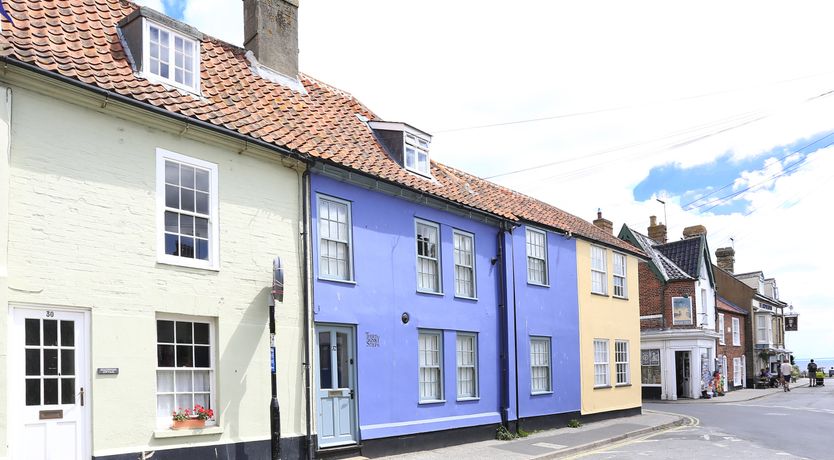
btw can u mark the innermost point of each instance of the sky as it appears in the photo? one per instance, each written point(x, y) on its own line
point(722, 110)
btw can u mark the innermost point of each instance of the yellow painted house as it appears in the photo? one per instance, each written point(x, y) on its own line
point(609, 328)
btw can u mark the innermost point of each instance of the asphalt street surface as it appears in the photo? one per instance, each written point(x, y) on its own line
point(794, 425)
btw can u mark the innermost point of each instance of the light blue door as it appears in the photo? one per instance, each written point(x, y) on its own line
point(336, 383)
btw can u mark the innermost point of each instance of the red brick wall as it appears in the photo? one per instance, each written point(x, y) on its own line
point(650, 288)
point(679, 289)
point(728, 349)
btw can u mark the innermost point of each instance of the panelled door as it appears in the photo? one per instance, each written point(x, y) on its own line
point(49, 379)
point(336, 377)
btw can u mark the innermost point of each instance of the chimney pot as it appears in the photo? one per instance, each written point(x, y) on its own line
point(604, 224)
point(725, 258)
point(657, 231)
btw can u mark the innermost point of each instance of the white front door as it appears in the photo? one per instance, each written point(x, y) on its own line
point(49, 381)
point(336, 384)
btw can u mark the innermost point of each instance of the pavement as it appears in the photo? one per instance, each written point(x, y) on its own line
point(566, 442)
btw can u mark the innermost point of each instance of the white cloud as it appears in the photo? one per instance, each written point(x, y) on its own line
point(677, 83)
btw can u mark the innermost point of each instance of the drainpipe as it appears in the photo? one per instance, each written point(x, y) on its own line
point(503, 324)
point(307, 299)
point(515, 327)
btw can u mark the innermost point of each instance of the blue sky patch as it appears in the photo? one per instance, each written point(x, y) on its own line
point(174, 8)
point(716, 178)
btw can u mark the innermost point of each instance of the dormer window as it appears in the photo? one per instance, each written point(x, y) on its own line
point(417, 154)
point(406, 144)
point(163, 50)
point(172, 56)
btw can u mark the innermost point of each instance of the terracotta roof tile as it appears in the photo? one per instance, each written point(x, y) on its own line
point(78, 39)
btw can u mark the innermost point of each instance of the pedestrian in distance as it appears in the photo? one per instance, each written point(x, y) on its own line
point(785, 370)
point(812, 374)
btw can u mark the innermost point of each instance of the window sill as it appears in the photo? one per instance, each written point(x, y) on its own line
point(337, 280)
point(540, 393)
point(622, 385)
point(432, 401)
point(461, 297)
point(440, 294)
point(172, 261)
point(171, 433)
point(531, 283)
point(620, 297)
point(474, 398)
point(602, 387)
point(601, 294)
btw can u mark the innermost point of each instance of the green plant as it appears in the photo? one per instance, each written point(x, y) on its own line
point(199, 412)
point(503, 434)
point(522, 434)
point(574, 423)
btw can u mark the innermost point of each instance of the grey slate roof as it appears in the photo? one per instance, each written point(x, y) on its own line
point(669, 269)
point(685, 253)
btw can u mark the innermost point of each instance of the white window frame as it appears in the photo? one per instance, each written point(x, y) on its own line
point(347, 241)
point(172, 36)
point(464, 366)
point(472, 285)
point(529, 244)
point(763, 327)
point(620, 275)
point(436, 260)
point(737, 368)
point(420, 146)
point(599, 270)
point(422, 363)
point(736, 327)
point(541, 358)
point(622, 360)
point(213, 262)
point(602, 369)
point(164, 422)
point(689, 321)
point(721, 330)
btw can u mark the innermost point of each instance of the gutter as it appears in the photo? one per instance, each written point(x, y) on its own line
point(307, 300)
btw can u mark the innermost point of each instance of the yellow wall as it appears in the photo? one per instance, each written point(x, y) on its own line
point(607, 317)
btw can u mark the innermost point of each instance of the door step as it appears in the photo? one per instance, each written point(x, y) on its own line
point(350, 452)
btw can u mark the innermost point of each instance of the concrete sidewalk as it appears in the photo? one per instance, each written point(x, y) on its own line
point(563, 442)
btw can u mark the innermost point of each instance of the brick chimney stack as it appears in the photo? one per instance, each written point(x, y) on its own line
point(604, 224)
point(725, 258)
point(657, 231)
point(270, 31)
point(694, 230)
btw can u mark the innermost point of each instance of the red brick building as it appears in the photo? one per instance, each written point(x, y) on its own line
point(733, 322)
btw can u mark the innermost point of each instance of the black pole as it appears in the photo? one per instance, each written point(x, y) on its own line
point(274, 410)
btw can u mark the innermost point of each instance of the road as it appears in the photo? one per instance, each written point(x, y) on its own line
point(794, 425)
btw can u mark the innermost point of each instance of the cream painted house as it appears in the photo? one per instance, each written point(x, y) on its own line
point(136, 259)
point(609, 327)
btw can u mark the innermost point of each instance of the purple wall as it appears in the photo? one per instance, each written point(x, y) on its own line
point(384, 261)
point(548, 311)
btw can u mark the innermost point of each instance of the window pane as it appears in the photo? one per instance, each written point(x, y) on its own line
point(186, 225)
point(50, 332)
point(342, 357)
point(201, 333)
point(164, 405)
point(68, 391)
point(165, 381)
point(201, 381)
point(50, 362)
point(187, 197)
point(183, 382)
point(202, 203)
point(165, 331)
point(325, 367)
point(50, 391)
point(202, 180)
point(185, 356)
point(202, 249)
point(203, 400)
point(33, 362)
point(165, 355)
point(187, 176)
point(172, 244)
point(201, 357)
point(67, 333)
point(172, 196)
point(33, 331)
point(184, 332)
point(201, 227)
point(172, 173)
point(187, 247)
point(184, 401)
point(33, 392)
point(67, 362)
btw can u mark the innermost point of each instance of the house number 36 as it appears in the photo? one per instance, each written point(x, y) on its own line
point(50, 314)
